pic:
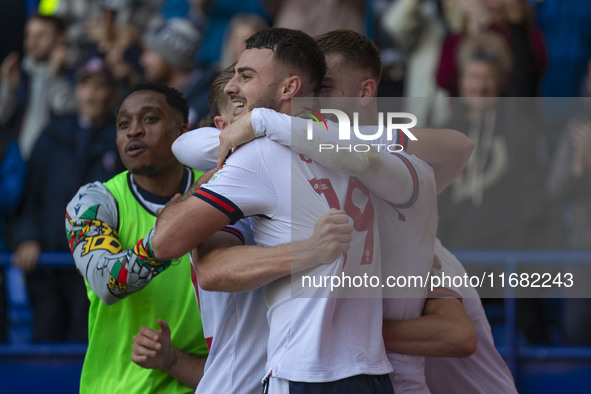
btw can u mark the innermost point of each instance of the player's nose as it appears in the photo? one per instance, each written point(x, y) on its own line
point(231, 87)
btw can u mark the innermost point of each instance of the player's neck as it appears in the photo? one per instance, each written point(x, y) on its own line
point(284, 107)
point(163, 183)
point(368, 115)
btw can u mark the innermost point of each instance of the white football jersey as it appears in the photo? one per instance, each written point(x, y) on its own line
point(236, 331)
point(407, 249)
point(310, 339)
point(406, 231)
point(484, 371)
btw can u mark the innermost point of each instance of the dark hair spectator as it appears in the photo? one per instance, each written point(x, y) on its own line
point(34, 89)
point(169, 58)
point(71, 151)
point(512, 20)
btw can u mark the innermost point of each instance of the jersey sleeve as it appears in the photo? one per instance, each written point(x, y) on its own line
point(91, 231)
point(242, 229)
point(243, 187)
point(371, 166)
point(445, 287)
point(292, 132)
point(198, 149)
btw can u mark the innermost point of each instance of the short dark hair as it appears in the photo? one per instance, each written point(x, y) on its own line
point(174, 98)
point(58, 23)
point(217, 97)
point(293, 48)
point(354, 47)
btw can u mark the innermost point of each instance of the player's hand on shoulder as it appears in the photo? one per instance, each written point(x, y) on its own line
point(151, 348)
point(238, 133)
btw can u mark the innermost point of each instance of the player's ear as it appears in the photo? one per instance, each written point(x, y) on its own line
point(183, 128)
point(368, 90)
point(219, 122)
point(290, 87)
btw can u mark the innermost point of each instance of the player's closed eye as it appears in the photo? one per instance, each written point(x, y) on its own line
point(325, 89)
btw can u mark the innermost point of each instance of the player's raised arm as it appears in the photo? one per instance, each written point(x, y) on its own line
point(370, 167)
point(446, 151)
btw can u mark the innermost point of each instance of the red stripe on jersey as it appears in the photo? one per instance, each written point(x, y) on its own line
point(235, 232)
point(402, 139)
point(208, 342)
point(215, 199)
point(441, 292)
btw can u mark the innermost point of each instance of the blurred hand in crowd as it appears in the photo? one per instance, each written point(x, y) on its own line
point(26, 255)
point(10, 70)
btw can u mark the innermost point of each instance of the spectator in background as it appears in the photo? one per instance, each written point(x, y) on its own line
point(169, 58)
point(72, 150)
point(239, 29)
point(120, 46)
point(513, 22)
point(212, 18)
point(124, 64)
point(418, 27)
point(498, 201)
point(316, 17)
point(492, 188)
point(118, 42)
point(100, 21)
point(34, 90)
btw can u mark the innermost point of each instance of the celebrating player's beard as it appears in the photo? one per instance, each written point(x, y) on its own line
point(265, 101)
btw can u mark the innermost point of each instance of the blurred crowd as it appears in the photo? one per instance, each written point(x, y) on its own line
point(472, 65)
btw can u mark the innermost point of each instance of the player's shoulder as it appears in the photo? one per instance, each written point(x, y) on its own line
point(89, 198)
point(261, 150)
point(92, 190)
point(198, 148)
